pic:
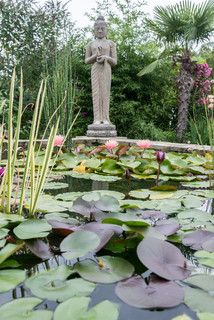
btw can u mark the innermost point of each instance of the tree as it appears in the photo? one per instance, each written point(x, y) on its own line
point(182, 26)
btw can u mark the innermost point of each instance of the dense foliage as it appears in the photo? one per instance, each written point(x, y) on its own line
point(45, 42)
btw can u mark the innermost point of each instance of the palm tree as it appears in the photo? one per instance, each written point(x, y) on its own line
point(182, 26)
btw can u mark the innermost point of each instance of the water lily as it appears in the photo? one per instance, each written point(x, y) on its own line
point(58, 140)
point(144, 144)
point(160, 156)
point(2, 172)
point(111, 144)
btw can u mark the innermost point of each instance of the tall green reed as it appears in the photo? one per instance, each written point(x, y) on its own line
point(61, 86)
point(30, 176)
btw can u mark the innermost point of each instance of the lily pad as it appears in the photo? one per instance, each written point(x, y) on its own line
point(158, 293)
point(152, 214)
point(79, 243)
point(39, 248)
point(32, 228)
point(9, 279)
point(168, 227)
point(20, 309)
point(205, 316)
point(52, 284)
point(206, 258)
point(202, 281)
point(77, 308)
point(55, 185)
point(199, 300)
point(197, 238)
point(107, 203)
point(208, 245)
point(111, 166)
point(108, 270)
point(87, 208)
point(195, 214)
point(163, 258)
point(8, 250)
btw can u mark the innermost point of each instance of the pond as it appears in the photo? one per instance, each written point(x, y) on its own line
point(119, 248)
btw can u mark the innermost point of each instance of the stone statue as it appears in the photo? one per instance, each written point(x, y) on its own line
point(101, 53)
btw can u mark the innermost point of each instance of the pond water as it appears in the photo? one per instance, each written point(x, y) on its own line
point(33, 265)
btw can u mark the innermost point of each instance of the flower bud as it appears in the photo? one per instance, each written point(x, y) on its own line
point(160, 156)
point(127, 174)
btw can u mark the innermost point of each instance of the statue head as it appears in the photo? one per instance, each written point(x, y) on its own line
point(100, 28)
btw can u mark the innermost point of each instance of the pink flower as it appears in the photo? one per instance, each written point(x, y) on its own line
point(111, 144)
point(2, 172)
point(160, 156)
point(144, 144)
point(58, 140)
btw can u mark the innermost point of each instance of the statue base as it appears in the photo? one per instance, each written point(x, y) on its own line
point(101, 130)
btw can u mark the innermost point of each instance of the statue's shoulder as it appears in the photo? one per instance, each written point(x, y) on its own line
point(90, 43)
point(112, 44)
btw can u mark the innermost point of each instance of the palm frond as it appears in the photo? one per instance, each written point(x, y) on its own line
point(184, 22)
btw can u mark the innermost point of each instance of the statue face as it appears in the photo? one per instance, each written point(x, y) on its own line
point(100, 30)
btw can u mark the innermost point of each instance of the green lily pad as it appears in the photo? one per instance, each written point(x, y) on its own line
point(55, 185)
point(140, 194)
point(111, 166)
point(182, 317)
point(79, 243)
point(11, 217)
point(202, 281)
point(52, 285)
point(125, 218)
point(32, 228)
point(194, 214)
point(92, 163)
point(192, 202)
point(19, 309)
point(205, 316)
point(109, 270)
point(205, 257)
point(77, 308)
point(3, 232)
point(199, 300)
point(47, 203)
point(99, 177)
point(144, 231)
point(8, 250)
point(9, 279)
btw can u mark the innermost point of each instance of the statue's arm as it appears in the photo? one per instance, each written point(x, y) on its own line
point(89, 58)
point(112, 60)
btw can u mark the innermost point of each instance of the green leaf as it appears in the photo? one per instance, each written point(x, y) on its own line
point(205, 257)
point(205, 316)
point(9, 279)
point(33, 228)
point(19, 309)
point(111, 166)
point(76, 308)
point(79, 243)
point(199, 300)
point(8, 250)
point(52, 284)
point(202, 281)
point(109, 270)
point(182, 317)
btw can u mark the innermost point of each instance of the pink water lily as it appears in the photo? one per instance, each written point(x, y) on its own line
point(144, 144)
point(59, 140)
point(111, 144)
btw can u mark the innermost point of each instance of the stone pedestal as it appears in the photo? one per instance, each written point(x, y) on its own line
point(101, 130)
